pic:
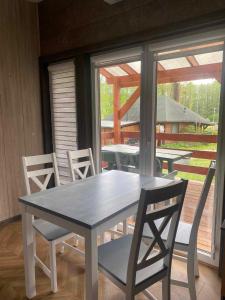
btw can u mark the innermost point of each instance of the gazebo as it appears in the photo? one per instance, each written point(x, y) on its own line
point(172, 115)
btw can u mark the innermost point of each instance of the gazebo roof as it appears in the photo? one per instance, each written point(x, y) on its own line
point(168, 111)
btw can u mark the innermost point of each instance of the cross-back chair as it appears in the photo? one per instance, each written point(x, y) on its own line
point(33, 168)
point(79, 169)
point(81, 164)
point(187, 234)
point(131, 263)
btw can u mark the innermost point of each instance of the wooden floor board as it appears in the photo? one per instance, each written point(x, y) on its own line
point(71, 274)
point(190, 204)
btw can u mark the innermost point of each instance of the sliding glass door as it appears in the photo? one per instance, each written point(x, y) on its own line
point(118, 85)
point(187, 120)
point(159, 109)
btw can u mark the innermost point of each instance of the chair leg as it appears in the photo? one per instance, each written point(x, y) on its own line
point(191, 275)
point(166, 288)
point(196, 264)
point(53, 268)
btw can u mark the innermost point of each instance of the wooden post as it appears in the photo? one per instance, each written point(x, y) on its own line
point(176, 91)
point(116, 108)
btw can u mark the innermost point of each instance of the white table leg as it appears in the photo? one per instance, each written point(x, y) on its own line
point(28, 248)
point(91, 265)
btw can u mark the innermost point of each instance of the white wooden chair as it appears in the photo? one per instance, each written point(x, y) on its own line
point(80, 163)
point(186, 238)
point(51, 233)
point(134, 265)
point(79, 169)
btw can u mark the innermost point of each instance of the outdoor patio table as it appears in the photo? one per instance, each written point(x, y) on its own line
point(168, 155)
point(88, 208)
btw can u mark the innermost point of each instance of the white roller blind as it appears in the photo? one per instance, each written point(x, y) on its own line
point(63, 109)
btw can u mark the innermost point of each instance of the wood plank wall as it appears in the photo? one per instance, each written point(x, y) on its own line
point(20, 108)
point(66, 25)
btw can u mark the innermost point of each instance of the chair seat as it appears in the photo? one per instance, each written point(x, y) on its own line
point(113, 258)
point(49, 231)
point(182, 236)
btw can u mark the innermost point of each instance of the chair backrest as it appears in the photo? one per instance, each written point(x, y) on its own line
point(40, 160)
point(80, 161)
point(202, 201)
point(169, 214)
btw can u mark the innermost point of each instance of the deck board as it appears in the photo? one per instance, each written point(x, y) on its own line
point(190, 204)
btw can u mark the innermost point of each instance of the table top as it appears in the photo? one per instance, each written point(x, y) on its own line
point(92, 201)
point(160, 153)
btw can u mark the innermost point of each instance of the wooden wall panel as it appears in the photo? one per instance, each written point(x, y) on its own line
point(66, 25)
point(21, 130)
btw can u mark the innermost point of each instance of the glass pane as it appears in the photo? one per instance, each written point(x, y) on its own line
point(188, 97)
point(120, 116)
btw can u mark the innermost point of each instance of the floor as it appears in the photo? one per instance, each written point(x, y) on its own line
point(71, 274)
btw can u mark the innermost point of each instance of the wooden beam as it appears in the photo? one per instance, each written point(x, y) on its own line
point(130, 83)
point(132, 99)
point(184, 137)
point(192, 61)
point(128, 69)
point(160, 67)
point(127, 79)
point(188, 169)
point(218, 77)
point(176, 75)
point(176, 91)
point(106, 74)
point(116, 107)
point(190, 73)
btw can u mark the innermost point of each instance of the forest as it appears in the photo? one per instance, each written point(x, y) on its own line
point(201, 97)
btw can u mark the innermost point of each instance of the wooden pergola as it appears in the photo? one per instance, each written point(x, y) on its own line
point(126, 75)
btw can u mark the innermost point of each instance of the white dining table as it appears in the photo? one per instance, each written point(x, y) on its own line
point(88, 207)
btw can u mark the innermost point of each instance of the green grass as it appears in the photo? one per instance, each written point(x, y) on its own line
point(190, 146)
point(191, 176)
point(199, 162)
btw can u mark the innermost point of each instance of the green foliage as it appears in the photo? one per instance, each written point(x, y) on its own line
point(201, 98)
point(106, 96)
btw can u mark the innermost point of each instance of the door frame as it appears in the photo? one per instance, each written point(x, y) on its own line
point(146, 54)
point(195, 39)
point(107, 59)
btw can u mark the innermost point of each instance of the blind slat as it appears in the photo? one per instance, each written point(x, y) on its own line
point(62, 79)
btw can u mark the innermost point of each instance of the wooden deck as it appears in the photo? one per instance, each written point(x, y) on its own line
point(190, 203)
point(188, 211)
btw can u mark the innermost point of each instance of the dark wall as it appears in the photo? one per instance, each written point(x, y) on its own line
point(70, 24)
